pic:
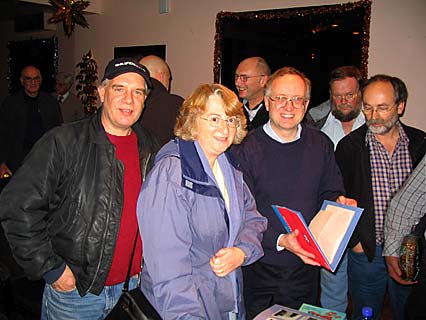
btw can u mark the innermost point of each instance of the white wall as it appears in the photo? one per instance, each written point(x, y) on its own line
point(398, 48)
point(397, 39)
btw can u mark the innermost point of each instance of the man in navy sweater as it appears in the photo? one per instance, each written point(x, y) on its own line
point(289, 164)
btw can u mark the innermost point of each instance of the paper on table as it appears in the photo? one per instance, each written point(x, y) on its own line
point(329, 227)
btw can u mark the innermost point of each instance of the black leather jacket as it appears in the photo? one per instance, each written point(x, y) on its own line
point(63, 206)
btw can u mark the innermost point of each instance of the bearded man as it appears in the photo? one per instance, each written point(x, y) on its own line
point(341, 114)
point(375, 160)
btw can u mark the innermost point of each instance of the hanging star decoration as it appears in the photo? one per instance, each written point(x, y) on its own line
point(70, 13)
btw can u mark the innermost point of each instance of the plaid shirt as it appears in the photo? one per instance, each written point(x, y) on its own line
point(388, 173)
point(405, 210)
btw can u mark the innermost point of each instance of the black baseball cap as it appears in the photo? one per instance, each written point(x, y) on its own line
point(123, 65)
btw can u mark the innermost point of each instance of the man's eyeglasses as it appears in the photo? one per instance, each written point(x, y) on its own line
point(380, 109)
point(29, 79)
point(216, 121)
point(245, 77)
point(348, 96)
point(297, 102)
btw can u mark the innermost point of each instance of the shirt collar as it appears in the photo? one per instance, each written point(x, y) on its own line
point(271, 133)
point(66, 95)
point(259, 105)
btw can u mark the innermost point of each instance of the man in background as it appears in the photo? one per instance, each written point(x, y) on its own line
point(24, 117)
point(71, 107)
point(341, 114)
point(250, 80)
point(337, 117)
point(375, 160)
point(161, 107)
point(76, 225)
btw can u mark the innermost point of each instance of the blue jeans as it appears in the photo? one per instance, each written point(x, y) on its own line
point(334, 286)
point(368, 282)
point(69, 305)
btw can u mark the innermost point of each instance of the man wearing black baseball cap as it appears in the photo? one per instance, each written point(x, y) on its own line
point(76, 225)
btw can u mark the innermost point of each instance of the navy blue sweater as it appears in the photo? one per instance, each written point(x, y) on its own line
point(298, 175)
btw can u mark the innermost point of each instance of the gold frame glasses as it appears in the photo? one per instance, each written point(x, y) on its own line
point(216, 121)
point(298, 102)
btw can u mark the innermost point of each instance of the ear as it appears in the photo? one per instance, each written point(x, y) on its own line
point(267, 103)
point(101, 92)
point(263, 80)
point(22, 80)
point(306, 105)
point(400, 108)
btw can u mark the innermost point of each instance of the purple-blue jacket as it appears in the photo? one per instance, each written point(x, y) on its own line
point(183, 222)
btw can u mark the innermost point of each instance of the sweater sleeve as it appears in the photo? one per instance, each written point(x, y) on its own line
point(248, 165)
point(331, 184)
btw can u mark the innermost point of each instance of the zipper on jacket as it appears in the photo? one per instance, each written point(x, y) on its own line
point(104, 236)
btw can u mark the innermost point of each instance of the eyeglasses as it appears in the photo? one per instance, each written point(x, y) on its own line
point(216, 121)
point(244, 77)
point(297, 102)
point(348, 96)
point(380, 109)
point(29, 79)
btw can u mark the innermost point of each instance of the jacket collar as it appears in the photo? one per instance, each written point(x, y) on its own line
point(97, 130)
point(194, 176)
point(192, 166)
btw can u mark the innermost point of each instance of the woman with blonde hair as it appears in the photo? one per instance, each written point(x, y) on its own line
point(197, 217)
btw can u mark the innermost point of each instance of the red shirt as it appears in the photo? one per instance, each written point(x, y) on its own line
point(127, 152)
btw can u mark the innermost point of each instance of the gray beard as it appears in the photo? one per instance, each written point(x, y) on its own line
point(386, 125)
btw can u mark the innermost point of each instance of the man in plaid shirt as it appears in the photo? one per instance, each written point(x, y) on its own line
point(405, 210)
point(375, 160)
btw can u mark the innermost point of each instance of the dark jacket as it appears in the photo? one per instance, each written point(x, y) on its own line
point(63, 206)
point(160, 112)
point(317, 116)
point(262, 116)
point(13, 125)
point(353, 158)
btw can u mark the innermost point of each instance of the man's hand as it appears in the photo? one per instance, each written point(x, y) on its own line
point(66, 281)
point(4, 171)
point(227, 260)
point(347, 201)
point(289, 242)
point(395, 271)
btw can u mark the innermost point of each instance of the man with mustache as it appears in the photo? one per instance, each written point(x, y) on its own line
point(341, 114)
point(375, 160)
point(250, 80)
point(337, 117)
